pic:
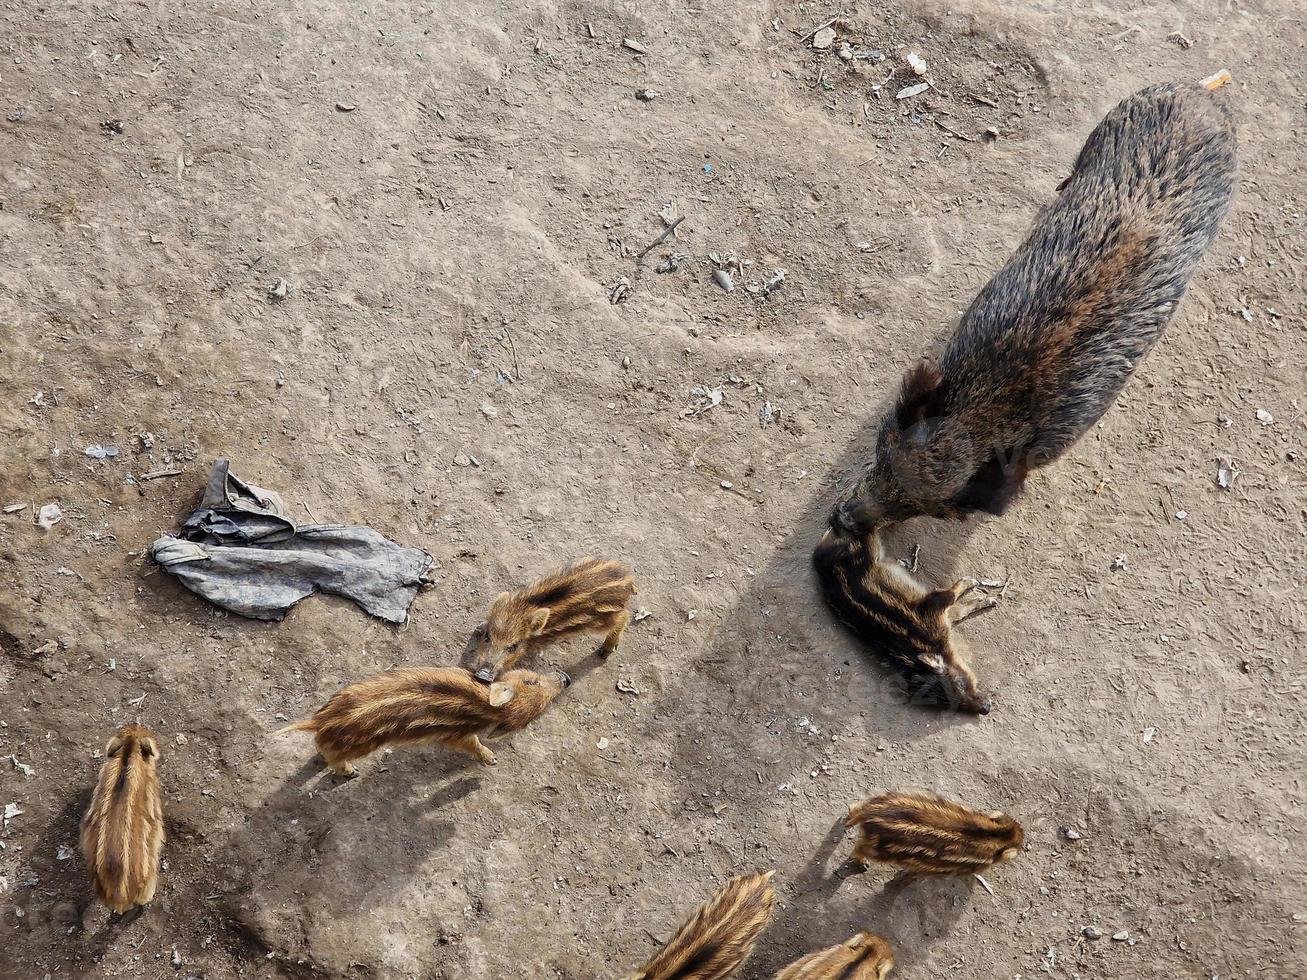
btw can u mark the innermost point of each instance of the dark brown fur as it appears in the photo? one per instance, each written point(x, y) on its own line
point(864, 957)
point(122, 831)
point(1048, 344)
point(588, 597)
point(908, 624)
point(927, 834)
point(719, 937)
point(420, 704)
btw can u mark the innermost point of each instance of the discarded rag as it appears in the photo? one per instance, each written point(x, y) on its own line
point(240, 551)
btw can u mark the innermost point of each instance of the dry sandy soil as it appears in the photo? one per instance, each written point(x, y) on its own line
point(450, 245)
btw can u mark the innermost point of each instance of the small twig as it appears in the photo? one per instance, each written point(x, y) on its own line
point(517, 371)
point(160, 474)
point(982, 100)
point(312, 516)
point(813, 32)
point(985, 884)
point(659, 240)
point(954, 132)
point(916, 558)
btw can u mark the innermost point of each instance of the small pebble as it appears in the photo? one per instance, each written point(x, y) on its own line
point(489, 411)
point(1121, 936)
point(727, 485)
point(1092, 932)
point(345, 107)
point(1265, 417)
point(1070, 833)
point(647, 94)
point(462, 459)
point(723, 279)
point(824, 38)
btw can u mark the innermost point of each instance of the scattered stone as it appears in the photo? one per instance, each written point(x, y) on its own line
point(1175, 37)
point(1092, 932)
point(1070, 833)
point(626, 687)
point(635, 46)
point(766, 414)
point(626, 364)
point(602, 744)
point(1121, 936)
point(100, 452)
point(723, 279)
point(916, 63)
point(1180, 515)
point(1265, 417)
point(992, 133)
point(845, 52)
point(824, 38)
point(345, 107)
point(14, 508)
point(22, 767)
point(647, 94)
point(63, 853)
point(11, 811)
point(619, 290)
point(641, 613)
point(774, 282)
point(727, 485)
point(114, 126)
point(279, 290)
point(912, 90)
point(49, 516)
point(1119, 563)
point(1221, 78)
point(1226, 471)
point(462, 459)
point(1149, 734)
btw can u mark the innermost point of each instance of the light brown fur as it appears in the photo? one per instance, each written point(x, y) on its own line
point(419, 704)
point(122, 831)
point(908, 624)
point(863, 957)
point(926, 834)
point(590, 596)
point(719, 937)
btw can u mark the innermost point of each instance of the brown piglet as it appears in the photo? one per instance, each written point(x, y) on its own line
point(926, 834)
point(719, 937)
point(904, 622)
point(863, 957)
point(420, 704)
point(122, 831)
point(590, 596)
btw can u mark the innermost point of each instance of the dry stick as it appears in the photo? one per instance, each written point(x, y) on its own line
point(517, 371)
point(659, 240)
point(819, 27)
point(954, 132)
point(982, 100)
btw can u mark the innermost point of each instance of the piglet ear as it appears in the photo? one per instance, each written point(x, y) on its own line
point(539, 620)
point(500, 694)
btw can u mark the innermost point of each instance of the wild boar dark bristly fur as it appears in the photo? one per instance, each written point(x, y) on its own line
point(590, 596)
point(863, 957)
point(419, 704)
point(122, 830)
point(719, 937)
point(904, 622)
point(923, 833)
point(1048, 344)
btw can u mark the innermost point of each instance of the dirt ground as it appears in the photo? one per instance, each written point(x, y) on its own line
point(451, 191)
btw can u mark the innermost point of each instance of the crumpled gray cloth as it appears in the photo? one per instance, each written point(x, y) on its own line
point(240, 551)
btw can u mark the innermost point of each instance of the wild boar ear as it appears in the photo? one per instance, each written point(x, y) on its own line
point(113, 745)
point(500, 600)
point(921, 397)
point(500, 694)
point(539, 620)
